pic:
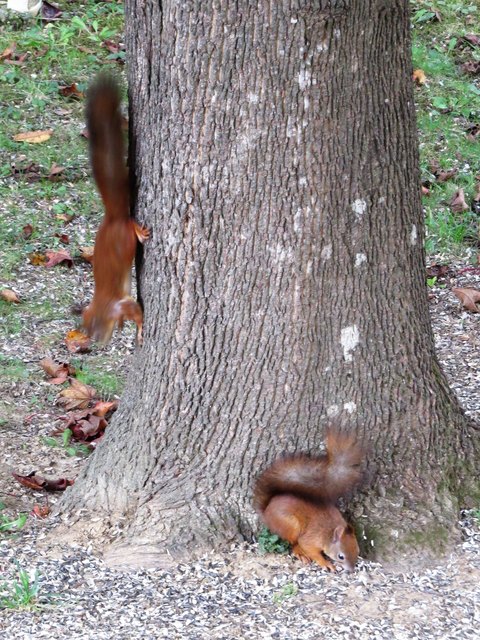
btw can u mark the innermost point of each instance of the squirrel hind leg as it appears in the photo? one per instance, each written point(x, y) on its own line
point(128, 309)
point(142, 233)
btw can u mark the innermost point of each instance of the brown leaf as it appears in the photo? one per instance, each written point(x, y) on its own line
point(472, 39)
point(66, 217)
point(88, 428)
point(57, 485)
point(30, 171)
point(89, 424)
point(473, 131)
point(40, 510)
point(57, 371)
point(425, 191)
point(86, 253)
point(72, 91)
point(443, 176)
point(472, 67)
point(77, 341)
point(84, 49)
point(9, 296)
point(77, 396)
point(33, 137)
point(27, 231)
point(419, 77)
point(112, 46)
point(55, 171)
point(457, 203)
point(37, 259)
point(57, 257)
point(468, 297)
point(38, 483)
point(62, 237)
point(8, 52)
point(438, 270)
point(17, 59)
point(31, 481)
point(102, 408)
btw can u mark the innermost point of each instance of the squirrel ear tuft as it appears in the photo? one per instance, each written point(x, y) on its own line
point(349, 530)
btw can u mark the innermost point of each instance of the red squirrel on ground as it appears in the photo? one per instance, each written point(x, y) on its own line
point(116, 240)
point(296, 498)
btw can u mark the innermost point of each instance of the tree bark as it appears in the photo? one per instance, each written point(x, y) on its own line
point(274, 157)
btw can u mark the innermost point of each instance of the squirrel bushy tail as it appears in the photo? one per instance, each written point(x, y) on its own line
point(324, 478)
point(107, 153)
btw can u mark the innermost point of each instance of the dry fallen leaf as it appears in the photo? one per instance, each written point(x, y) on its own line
point(419, 76)
point(31, 172)
point(438, 271)
point(66, 217)
point(27, 231)
point(112, 46)
point(57, 257)
point(57, 371)
point(37, 259)
point(8, 52)
point(468, 297)
point(72, 91)
point(473, 132)
point(55, 171)
point(88, 425)
point(77, 341)
point(40, 511)
point(425, 191)
point(38, 483)
point(472, 67)
point(77, 396)
point(457, 203)
point(33, 137)
point(472, 39)
point(443, 176)
point(63, 237)
point(9, 296)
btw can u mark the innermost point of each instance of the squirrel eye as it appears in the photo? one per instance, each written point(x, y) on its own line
point(340, 556)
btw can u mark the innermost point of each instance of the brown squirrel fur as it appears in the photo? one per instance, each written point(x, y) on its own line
point(296, 498)
point(116, 240)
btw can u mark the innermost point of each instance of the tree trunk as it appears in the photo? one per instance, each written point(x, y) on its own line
point(274, 154)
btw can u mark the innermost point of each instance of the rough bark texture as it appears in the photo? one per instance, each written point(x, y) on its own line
point(274, 158)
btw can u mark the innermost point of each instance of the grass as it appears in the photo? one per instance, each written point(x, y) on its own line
point(447, 105)
point(8, 524)
point(72, 51)
point(287, 591)
point(269, 542)
point(65, 442)
point(21, 593)
point(59, 54)
point(12, 369)
point(93, 372)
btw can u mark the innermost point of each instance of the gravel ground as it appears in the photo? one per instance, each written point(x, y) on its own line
point(244, 595)
point(238, 594)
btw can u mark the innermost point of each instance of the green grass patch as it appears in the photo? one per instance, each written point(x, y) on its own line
point(71, 50)
point(93, 373)
point(269, 542)
point(448, 106)
point(22, 592)
point(13, 369)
